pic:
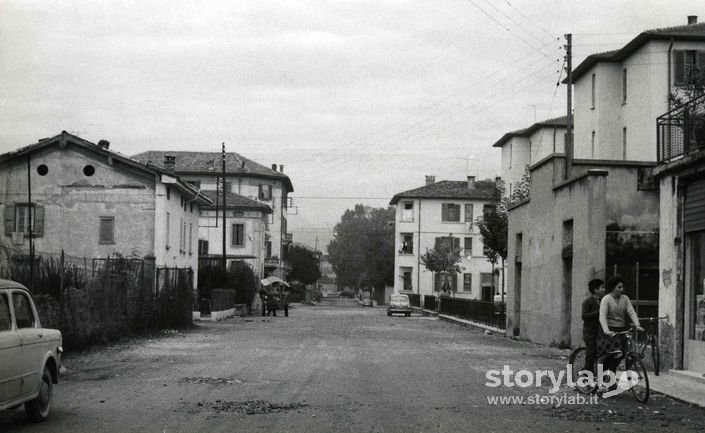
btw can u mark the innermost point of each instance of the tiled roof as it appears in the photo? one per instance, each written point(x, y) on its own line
point(211, 163)
point(233, 200)
point(483, 190)
point(690, 32)
point(558, 121)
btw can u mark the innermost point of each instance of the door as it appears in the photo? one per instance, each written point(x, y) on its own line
point(10, 348)
point(32, 339)
point(695, 302)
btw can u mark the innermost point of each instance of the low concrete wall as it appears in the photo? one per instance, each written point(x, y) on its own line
point(222, 315)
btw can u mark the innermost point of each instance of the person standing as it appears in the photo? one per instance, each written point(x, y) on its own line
point(591, 320)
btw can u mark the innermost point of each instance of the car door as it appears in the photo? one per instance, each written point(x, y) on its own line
point(32, 338)
point(10, 351)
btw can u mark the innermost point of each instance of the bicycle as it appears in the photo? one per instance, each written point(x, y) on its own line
point(649, 339)
point(628, 360)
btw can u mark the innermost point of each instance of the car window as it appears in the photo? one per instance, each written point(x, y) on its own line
point(399, 298)
point(5, 323)
point(23, 311)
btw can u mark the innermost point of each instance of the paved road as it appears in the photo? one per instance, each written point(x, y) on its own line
point(335, 367)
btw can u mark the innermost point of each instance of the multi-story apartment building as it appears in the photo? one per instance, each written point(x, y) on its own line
point(250, 181)
point(443, 212)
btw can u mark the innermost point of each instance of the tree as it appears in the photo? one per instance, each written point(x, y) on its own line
point(444, 259)
point(493, 226)
point(521, 189)
point(304, 265)
point(362, 250)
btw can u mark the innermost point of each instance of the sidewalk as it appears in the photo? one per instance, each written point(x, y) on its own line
point(680, 385)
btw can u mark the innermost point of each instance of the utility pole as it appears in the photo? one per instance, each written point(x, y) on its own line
point(225, 260)
point(569, 106)
point(29, 223)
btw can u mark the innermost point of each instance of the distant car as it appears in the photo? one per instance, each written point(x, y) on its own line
point(399, 304)
point(31, 355)
point(367, 302)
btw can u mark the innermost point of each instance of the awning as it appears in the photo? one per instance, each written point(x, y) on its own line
point(271, 280)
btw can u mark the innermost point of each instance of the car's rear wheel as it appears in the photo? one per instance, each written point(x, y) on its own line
point(38, 409)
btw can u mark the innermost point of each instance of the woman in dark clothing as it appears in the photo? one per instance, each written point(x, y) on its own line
point(591, 320)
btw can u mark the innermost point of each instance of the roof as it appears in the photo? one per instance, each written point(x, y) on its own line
point(556, 122)
point(484, 190)
point(200, 163)
point(690, 32)
point(64, 138)
point(235, 201)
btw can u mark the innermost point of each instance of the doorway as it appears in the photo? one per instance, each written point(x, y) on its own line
point(695, 302)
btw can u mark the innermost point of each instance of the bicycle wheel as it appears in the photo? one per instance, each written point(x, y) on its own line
point(655, 355)
point(641, 389)
point(577, 364)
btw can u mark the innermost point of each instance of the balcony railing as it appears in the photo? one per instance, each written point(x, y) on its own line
point(681, 130)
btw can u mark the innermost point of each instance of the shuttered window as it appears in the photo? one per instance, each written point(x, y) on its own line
point(450, 212)
point(16, 218)
point(265, 192)
point(694, 207)
point(468, 213)
point(106, 235)
point(687, 65)
point(238, 236)
point(444, 242)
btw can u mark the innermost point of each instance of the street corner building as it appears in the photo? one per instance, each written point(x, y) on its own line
point(622, 193)
point(66, 195)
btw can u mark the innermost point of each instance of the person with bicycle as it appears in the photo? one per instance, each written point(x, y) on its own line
point(614, 309)
point(591, 320)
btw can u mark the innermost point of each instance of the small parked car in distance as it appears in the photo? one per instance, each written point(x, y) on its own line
point(31, 355)
point(399, 304)
point(367, 302)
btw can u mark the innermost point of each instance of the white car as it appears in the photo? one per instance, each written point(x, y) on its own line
point(30, 354)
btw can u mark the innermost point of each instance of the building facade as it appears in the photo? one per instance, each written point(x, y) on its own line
point(91, 202)
point(246, 179)
point(443, 212)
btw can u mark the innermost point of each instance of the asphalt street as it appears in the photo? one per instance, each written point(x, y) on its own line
point(333, 367)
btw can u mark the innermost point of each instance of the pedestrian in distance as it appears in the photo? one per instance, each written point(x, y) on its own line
point(614, 309)
point(591, 320)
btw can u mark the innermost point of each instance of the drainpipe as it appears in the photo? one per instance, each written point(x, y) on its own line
point(418, 257)
point(668, 99)
point(668, 93)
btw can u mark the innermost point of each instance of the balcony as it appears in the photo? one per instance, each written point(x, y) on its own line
point(271, 262)
point(681, 131)
point(288, 238)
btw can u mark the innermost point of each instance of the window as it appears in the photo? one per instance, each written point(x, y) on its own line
point(190, 238)
point(444, 281)
point(407, 243)
point(24, 317)
point(450, 212)
point(202, 248)
point(106, 234)
point(22, 215)
point(168, 193)
point(5, 323)
point(407, 213)
point(406, 277)
point(624, 143)
point(265, 192)
point(486, 284)
point(443, 242)
point(592, 145)
point(238, 235)
point(624, 86)
point(467, 282)
point(487, 210)
point(168, 224)
point(467, 246)
point(688, 65)
point(268, 248)
point(468, 213)
point(592, 97)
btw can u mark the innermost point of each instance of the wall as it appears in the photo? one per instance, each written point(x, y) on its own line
point(669, 275)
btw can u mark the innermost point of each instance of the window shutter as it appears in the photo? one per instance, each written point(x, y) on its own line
point(456, 243)
point(38, 228)
point(700, 59)
point(106, 234)
point(679, 66)
point(444, 212)
point(9, 219)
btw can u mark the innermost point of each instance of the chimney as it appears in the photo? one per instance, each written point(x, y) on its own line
point(498, 179)
point(242, 164)
point(281, 168)
point(274, 167)
point(430, 180)
point(692, 19)
point(169, 163)
point(471, 182)
point(104, 144)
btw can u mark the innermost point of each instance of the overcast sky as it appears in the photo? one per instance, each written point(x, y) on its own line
point(357, 99)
